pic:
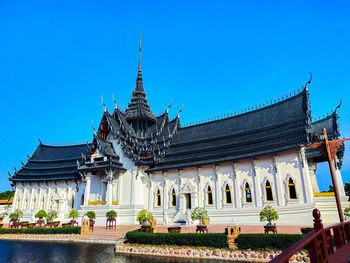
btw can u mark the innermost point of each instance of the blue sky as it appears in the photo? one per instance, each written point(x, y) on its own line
point(58, 57)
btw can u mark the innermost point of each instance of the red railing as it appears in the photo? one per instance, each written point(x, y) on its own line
point(320, 243)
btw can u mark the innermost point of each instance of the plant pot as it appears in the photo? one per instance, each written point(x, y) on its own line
point(306, 230)
point(176, 229)
point(206, 221)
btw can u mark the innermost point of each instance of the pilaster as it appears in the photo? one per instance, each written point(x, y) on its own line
point(305, 177)
point(257, 192)
point(87, 189)
point(235, 184)
point(277, 178)
point(217, 187)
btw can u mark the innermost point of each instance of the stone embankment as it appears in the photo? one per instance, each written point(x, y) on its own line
point(38, 237)
point(205, 253)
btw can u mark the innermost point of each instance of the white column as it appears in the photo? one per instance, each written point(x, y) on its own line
point(109, 190)
point(149, 192)
point(165, 191)
point(338, 178)
point(87, 190)
point(119, 188)
point(15, 198)
point(256, 185)
point(132, 186)
point(40, 198)
point(47, 199)
point(217, 187)
point(182, 204)
point(235, 185)
point(277, 179)
point(305, 177)
point(199, 189)
point(31, 199)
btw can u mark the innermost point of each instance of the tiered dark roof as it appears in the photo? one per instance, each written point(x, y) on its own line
point(107, 158)
point(52, 163)
point(276, 128)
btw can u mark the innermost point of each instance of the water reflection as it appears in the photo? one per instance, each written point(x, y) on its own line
point(50, 252)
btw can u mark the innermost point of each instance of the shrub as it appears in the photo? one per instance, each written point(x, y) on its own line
point(41, 214)
point(91, 215)
point(73, 214)
point(347, 213)
point(41, 230)
point(51, 215)
point(199, 213)
point(263, 241)
point(111, 214)
point(189, 239)
point(144, 217)
point(268, 214)
point(17, 214)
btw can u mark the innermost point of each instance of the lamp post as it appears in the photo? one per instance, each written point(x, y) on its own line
point(328, 150)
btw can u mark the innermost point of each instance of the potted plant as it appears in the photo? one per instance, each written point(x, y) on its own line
point(269, 214)
point(51, 215)
point(144, 217)
point(201, 214)
point(111, 222)
point(41, 214)
point(16, 215)
point(111, 214)
point(73, 214)
point(91, 215)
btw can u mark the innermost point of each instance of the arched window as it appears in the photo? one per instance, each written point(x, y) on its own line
point(173, 198)
point(209, 196)
point(26, 205)
point(268, 191)
point(34, 203)
point(159, 203)
point(248, 194)
point(228, 195)
point(18, 201)
point(291, 189)
point(42, 203)
point(51, 203)
point(82, 199)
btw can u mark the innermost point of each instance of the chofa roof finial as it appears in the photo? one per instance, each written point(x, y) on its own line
point(335, 110)
point(309, 82)
point(116, 105)
point(104, 105)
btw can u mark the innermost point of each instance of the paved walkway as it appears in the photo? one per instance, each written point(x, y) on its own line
point(100, 233)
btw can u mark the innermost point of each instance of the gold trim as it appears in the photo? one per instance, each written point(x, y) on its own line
point(96, 202)
point(115, 202)
point(326, 194)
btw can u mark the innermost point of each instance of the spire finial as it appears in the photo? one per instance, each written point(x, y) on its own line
point(140, 52)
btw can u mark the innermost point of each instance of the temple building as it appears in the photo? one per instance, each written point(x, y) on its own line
point(233, 165)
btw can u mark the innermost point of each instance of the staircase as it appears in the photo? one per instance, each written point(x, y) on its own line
point(102, 234)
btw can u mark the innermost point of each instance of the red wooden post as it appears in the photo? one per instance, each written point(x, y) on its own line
point(330, 159)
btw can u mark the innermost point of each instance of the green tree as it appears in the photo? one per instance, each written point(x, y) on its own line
point(73, 214)
point(347, 188)
point(51, 215)
point(41, 214)
point(144, 216)
point(268, 214)
point(347, 213)
point(17, 214)
point(6, 195)
point(199, 213)
point(91, 215)
point(111, 214)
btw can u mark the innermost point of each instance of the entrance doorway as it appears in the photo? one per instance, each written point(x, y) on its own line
point(188, 201)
